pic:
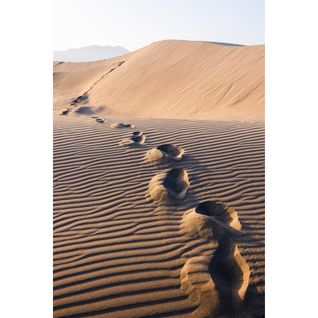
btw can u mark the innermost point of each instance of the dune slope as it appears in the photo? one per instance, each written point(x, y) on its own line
point(168, 79)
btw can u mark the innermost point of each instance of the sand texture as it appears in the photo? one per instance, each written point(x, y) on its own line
point(159, 183)
point(162, 217)
point(167, 79)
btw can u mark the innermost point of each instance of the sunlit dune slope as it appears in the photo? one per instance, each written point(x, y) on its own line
point(168, 79)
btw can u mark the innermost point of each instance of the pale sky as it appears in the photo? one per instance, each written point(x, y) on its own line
point(137, 23)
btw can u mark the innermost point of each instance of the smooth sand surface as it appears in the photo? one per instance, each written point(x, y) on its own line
point(168, 79)
point(118, 252)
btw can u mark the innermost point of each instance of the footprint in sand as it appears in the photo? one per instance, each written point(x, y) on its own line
point(230, 273)
point(197, 283)
point(100, 120)
point(138, 138)
point(65, 111)
point(164, 153)
point(122, 125)
point(172, 184)
point(79, 99)
point(217, 284)
point(210, 219)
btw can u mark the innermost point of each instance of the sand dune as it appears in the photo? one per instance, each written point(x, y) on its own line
point(171, 225)
point(168, 79)
point(117, 254)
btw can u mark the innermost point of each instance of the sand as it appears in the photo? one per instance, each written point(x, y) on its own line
point(117, 253)
point(169, 79)
point(159, 207)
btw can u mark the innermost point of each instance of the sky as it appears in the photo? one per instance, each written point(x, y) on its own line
point(136, 23)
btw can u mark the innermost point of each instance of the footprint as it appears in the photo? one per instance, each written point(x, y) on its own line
point(122, 125)
point(210, 220)
point(223, 217)
point(165, 152)
point(228, 270)
point(172, 184)
point(197, 283)
point(84, 110)
point(100, 120)
point(196, 225)
point(230, 273)
point(137, 139)
point(79, 99)
point(217, 286)
point(65, 112)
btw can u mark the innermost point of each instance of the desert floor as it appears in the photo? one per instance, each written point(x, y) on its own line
point(130, 243)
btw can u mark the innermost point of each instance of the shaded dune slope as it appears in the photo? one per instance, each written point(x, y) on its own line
point(117, 254)
point(169, 79)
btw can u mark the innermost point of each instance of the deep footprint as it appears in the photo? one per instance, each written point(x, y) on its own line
point(221, 214)
point(137, 139)
point(217, 287)
point(230, 274)
point(100, 120)
point(172, 184)
point(122, 125)
point(165, 152)
point(228, 271)
point(197, 283)
point(65, 111)
point(209, 220)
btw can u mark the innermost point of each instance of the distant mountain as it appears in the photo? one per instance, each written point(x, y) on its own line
point(89, 53)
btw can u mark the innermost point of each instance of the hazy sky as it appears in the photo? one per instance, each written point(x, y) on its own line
point(136, 23)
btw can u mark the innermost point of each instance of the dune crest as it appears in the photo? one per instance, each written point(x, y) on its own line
point(169, 79)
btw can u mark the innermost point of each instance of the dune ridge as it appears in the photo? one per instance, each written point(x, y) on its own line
point(168, 79)
point(117, 254)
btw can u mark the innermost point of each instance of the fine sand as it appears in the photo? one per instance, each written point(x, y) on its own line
point(159, 183)
point(178, 236)
point(167, 79)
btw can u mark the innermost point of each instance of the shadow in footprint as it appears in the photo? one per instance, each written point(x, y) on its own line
point(170, 186)
point(228, 271)
point(136, 140)
point(79, 99)
point(254, 304)
point(122, 125)
point(172, 151)
point(138, 137)
point(230, 274)
point(65, 111)
point(165, 154)
point(224, 218)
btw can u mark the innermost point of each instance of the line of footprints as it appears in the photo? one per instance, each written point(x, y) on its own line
point(215, 283)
